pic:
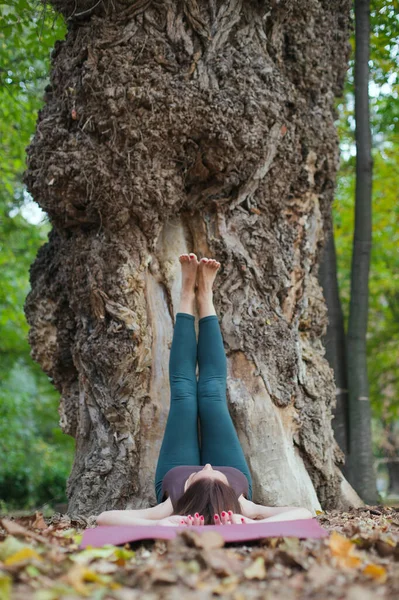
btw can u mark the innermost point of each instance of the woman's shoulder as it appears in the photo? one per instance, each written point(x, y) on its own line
point(183, 469)
point(176, 475)
point(230, 470)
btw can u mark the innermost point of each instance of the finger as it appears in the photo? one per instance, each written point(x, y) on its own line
point(234, 519)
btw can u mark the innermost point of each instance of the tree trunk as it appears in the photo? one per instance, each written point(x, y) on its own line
point(170, 127)
point(360, 447)
point(335, 341)
point(393, 472)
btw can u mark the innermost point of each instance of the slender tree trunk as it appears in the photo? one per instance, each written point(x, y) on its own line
point(393, 472)
point(361, 458)
point(335, 342)
point(198, 125)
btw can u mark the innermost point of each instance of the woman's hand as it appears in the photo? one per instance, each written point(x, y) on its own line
point(230, 518)
point(196, 520)
point(180, 520)
point(172, 521)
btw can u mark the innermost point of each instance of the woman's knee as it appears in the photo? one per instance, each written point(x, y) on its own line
point(183, 389)
point(212, 389)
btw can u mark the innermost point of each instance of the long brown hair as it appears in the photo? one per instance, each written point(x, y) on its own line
point(207, 497)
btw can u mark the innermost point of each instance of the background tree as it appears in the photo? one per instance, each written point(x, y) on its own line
point(175, 126)
point(360, 445)
point(335, 343)
point(382, 336)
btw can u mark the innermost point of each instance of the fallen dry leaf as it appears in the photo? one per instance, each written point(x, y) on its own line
point(5, 586)
point(223, 563)
point(227, 586)
point(10, 546)
point(257, 570)
point(39, 522)
point(164, 576)
point(358, 592)
point(16, 529)
point(79, 576)
point(376, 572)
point(207, 541)
point(386, 547)
point(344, 551)
point(22, 555)
point(320, 575)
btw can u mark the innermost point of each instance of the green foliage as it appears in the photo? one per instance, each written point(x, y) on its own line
point(28, 31)
point(383, 330)
point(35, 457)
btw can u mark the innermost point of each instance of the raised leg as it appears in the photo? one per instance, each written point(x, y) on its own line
point(220, 445)
point(180, 442)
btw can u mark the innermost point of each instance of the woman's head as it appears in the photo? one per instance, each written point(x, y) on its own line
point(207, 496)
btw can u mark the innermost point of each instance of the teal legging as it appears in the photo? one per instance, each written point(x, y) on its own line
point(206, 398)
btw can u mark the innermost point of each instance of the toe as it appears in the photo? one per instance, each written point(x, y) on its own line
point(193, 257)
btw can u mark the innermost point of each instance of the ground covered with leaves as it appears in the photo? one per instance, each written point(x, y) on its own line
point(41, 559)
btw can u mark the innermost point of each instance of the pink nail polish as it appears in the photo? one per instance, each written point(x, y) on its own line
point(196, 515)
point(242, 520)
point(223, 514)
point(202, 518)
point(216, 517)
point(230, 512)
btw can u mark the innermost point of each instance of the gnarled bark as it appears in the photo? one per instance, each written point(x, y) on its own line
point(200, 126)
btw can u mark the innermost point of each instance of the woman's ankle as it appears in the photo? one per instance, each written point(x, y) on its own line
point(205, 305)
point(187, 302)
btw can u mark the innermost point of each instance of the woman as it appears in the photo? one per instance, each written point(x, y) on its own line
point(186, 483)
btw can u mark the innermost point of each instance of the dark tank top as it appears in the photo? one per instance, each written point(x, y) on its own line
point(174, 480)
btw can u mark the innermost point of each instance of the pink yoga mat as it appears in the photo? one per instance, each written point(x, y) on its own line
point(100, 536)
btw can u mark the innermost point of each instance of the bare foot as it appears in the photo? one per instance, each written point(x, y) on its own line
point(208, 268)
point(189, 266)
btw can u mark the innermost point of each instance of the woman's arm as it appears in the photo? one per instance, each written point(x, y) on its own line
point(272, 513)
point(146, 516)
point(288, 514)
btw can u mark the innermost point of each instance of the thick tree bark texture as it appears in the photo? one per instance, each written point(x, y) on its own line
point(200, 126)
